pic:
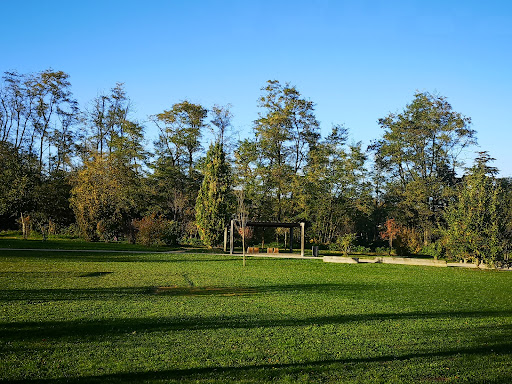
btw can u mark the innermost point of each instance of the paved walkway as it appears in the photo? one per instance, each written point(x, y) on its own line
point(280, 255)
point(336, 259)
point(270, 255)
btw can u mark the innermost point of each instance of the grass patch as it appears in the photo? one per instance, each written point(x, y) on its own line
point(203, 318)
point(16, 241)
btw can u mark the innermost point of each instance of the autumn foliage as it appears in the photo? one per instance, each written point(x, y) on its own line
point(391, 230)
point(155, 230)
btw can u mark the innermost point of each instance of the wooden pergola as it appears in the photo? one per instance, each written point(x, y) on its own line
point(266, 225)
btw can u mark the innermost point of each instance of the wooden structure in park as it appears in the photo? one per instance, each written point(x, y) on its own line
point(265, 225)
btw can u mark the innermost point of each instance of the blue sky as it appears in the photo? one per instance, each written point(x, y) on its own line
point(357, 60)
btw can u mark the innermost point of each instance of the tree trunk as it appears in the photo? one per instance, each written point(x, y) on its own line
point(24, 226)
point(243, 244)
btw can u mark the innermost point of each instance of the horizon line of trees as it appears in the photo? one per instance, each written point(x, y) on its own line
point(87, 172)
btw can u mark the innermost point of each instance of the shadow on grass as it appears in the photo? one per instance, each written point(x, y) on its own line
point(121, 326)
point(319, 370)
point(123, 257)
point(241, 291)
point(45, 295)
point(52, 274)
point(48, 295)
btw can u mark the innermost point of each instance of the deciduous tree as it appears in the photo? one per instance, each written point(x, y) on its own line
point(420, 151)
point(335, 193)
point(175, 179)
point(19, 178)
point(104, 198)
point(181, 131)
point(284, 133)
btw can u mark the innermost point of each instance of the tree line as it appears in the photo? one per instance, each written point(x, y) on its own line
point(87, 172)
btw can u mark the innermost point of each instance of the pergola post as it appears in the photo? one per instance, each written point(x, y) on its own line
point(225, 239)
point(302, 225)
point(291, 239)
point(267, 224)
point(231, 237)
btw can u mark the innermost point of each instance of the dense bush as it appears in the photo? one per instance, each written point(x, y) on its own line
point(361, 249)
point(72, 231)
point(343, 243)
point(383, 251)
point(434, 249)
point(155, 230)
point(408, 241)
point(191, 241)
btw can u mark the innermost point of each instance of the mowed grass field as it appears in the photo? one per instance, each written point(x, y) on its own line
point(77, 317)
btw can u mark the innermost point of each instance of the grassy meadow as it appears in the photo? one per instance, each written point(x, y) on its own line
point(78, 317)
point(14, 240)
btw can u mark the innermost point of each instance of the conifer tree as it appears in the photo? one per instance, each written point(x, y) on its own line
point(476, 221)
point(213, 200)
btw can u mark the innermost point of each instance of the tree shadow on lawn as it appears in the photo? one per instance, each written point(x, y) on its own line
point(98, 329)
point(98, 256)
point(32, 296)
point(51, 274)
point(317, 370)
point(45, 295)
point(263, 289)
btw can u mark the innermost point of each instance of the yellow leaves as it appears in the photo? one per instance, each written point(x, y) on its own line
point(101, 191)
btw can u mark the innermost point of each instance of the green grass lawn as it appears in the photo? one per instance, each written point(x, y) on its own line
point(76, 317)
point(16, 241)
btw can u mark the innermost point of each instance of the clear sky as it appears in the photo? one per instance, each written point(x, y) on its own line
point(357, 60)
